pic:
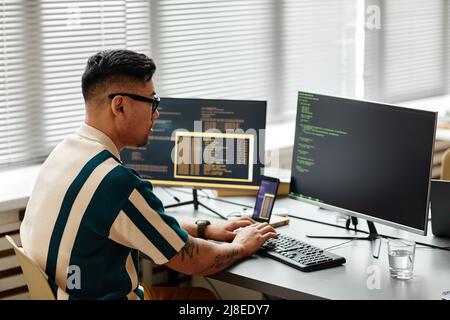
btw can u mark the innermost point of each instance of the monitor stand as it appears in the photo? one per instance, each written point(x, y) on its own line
point(373, 236)
point(196, 203)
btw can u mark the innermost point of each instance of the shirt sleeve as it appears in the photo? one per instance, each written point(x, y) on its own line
point(143, 224)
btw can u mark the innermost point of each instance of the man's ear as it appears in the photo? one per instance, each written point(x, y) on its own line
point(117, 106)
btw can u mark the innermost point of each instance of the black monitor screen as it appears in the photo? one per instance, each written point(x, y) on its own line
point(368, 158)
point(203, 142)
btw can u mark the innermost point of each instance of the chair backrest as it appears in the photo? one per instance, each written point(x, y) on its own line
point(445, 166)
point(38, 287)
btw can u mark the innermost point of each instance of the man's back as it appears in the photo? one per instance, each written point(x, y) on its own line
point(81, 221)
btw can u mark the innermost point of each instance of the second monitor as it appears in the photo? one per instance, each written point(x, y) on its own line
point(204, 143)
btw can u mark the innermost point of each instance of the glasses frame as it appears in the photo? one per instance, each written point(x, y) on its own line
point(155, 101)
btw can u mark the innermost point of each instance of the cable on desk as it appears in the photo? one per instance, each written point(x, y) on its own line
point(170, 194)
point(217, 199)
point(381, 235)
point(234, 214)
point(289, 215)
point(320, 222)
point(205, 193)
point(232, 202)
point(338, 245)
point(326, 223)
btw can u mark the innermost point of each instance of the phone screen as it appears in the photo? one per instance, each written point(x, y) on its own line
point(265, 199)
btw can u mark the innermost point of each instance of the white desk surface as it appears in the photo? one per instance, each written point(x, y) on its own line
point(16, 185)
point(431, 269)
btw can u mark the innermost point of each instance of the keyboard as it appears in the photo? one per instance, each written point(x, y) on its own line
point(300, 255)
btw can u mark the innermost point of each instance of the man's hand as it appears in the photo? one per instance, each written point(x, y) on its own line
point(252, 237)
point(201, 257)
point(224, 230)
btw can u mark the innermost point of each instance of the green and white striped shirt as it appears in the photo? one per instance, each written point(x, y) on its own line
point(88, 216)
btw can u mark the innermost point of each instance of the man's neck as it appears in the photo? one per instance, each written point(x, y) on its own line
point(107, 131)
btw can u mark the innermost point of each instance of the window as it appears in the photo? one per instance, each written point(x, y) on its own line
point(215, 49)
point(223, 49)
point(255, 49)
point(45, 45)
point(318, 49)
point(407, 57)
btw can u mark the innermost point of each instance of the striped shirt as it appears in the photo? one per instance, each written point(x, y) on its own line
point(87, 218)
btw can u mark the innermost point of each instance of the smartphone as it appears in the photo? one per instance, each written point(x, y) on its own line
point(265, 199)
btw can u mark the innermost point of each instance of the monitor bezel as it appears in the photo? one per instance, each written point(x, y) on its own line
point(362, 215)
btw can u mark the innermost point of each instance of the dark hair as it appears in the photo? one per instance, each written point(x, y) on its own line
point(109, 64)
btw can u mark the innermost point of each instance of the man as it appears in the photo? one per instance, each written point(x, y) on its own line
point(88, 215)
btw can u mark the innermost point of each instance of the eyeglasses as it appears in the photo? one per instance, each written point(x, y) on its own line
point(155, 101)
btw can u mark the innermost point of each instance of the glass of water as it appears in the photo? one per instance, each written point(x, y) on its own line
point(401, 258)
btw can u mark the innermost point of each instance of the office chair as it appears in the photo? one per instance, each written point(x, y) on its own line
point(38, 287)
point(445, 165)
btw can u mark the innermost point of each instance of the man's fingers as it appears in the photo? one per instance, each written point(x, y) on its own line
point(240, 224)
point(260, 226)
point(229, 236)
point(247, 218)
point(267, 229)
point(270, 235)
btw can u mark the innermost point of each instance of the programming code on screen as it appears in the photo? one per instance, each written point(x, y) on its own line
point(214, 156)
point(365, 157)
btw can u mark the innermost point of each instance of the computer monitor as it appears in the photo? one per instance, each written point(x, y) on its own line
point(203, 143)
point(364, 159)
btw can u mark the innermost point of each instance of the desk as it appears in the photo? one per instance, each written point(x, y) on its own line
point(16, 185)
point(431, 267)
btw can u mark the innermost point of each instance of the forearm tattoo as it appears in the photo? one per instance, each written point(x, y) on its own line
point(189, 248)
point(223, 261)
point(220, 262)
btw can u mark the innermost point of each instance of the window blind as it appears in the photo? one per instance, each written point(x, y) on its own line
point(45, 46)
point(410, 51)
point(255, 49)
point(319, 46)
point(214, 49)
point(13, 82)
point(224, 49)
